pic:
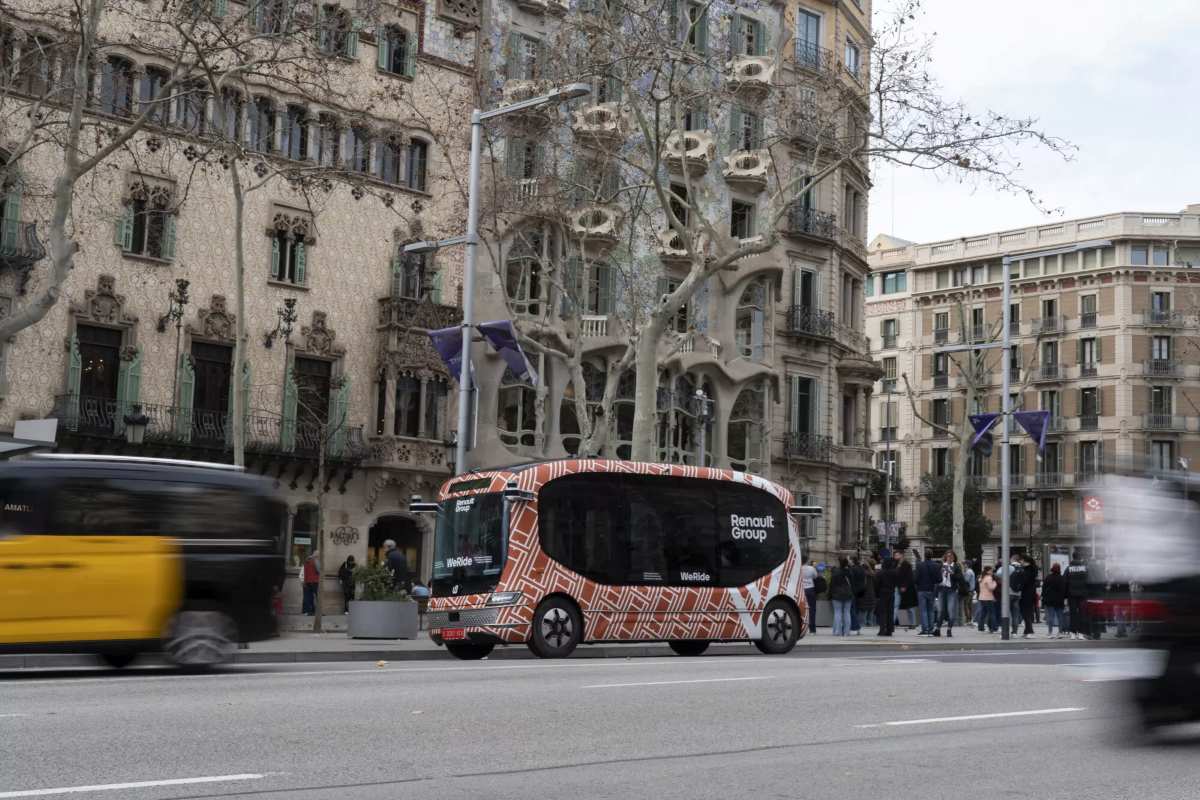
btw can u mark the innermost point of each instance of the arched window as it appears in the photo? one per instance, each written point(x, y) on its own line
point(417, 165)
point(116, 86)
point(751, 321)
point(398, 51)
point(230, 122)
point(358, 149)
point(436, 392)
point(680, 437)
point(152, 91)
point(191, 99)
point(408, 406)
point(516, 413)
point(569, 423)
point(331, 140)
point(747, 428)
point(623, 412)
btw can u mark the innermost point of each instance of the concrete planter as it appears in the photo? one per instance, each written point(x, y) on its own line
point(383, 619)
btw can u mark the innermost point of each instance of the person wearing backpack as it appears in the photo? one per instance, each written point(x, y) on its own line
point(841, 593)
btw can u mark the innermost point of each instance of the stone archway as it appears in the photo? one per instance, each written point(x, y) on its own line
point(410, 537)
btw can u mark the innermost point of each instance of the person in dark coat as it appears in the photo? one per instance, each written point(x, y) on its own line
point(907, 586)
point(885, 588)
point(398, 565)
point(866, 601)
point(346, 579)
point(1054, 594)
point(1029, 572)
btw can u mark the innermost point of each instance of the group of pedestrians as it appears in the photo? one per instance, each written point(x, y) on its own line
point(938, 594)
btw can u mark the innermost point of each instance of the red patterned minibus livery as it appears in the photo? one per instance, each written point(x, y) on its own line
point(561, 553)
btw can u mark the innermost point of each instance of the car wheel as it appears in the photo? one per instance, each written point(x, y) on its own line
point(197, 639)
point(780, 629)
point(469, 651)
point(557, 629)
point(688, 647)
point(118, 659)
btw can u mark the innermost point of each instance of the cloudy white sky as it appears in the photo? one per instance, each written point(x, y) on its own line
point(1120, 79)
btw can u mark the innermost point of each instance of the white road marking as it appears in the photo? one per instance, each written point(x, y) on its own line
point(675, 683)
point(111, 787)
point(906, 661)
point(7, 716)
point(1001, 715)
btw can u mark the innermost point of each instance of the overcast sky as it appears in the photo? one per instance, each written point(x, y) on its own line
point(1121, 80)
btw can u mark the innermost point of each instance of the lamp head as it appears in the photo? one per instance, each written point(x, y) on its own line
point(570, 92)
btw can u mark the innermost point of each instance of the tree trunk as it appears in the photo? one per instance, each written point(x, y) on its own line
point(239, 291)
point(960, 489)
point(645, 393)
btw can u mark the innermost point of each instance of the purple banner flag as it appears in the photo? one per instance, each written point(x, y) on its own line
point(503, 337)
point(448, 343)
point(983, 438)
point(1035, 424)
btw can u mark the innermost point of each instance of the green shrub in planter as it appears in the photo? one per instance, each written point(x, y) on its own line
point(376, 584)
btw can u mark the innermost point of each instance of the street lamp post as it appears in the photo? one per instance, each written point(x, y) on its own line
point(178, 300)
point(703, 415)
point(860, 496)
point(1031, 503)
point(471, 240)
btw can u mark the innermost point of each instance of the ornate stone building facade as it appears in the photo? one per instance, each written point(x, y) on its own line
point(1104, 326)
point(776, 347)
point(336, 353)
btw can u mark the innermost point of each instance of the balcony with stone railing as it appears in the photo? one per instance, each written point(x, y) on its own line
point(603, 125)
point(1047, 326)
point(1163, 318)
point(750, 75)
point(747, 169)
point(597, 225)
point(1048, 373)
point(692, 151)
point(593, 326)
point(1162, 421)
point(1163, 368)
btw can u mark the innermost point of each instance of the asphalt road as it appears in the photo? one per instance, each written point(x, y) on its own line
point(1040, 724)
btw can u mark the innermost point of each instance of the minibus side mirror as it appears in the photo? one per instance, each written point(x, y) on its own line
point(514, 494)
point(805, 511)
point(417, 506)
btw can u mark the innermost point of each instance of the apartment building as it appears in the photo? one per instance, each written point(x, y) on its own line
point(776, 349)
point(1104, 325)
point(336, 355)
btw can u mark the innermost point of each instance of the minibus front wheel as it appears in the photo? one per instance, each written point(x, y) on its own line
point(200, 638)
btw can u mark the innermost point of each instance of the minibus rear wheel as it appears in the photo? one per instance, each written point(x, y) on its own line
point(688, 647)
point(469, 651)
point(780, 628)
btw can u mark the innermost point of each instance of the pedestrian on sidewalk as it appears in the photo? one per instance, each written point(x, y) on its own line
point(866, 602)
point(885, 589)
point(989, 611)
point(1054, 594)
point(858, 579)
point(821, 587)
point(907, 597)
point(310, 574)
point(346, 579)
point(929, 575)
point(1029, 573)
point(948, 590)
point(1016, 583)
point(808, 583)
point(397, 562)
point(970, 584)
point(841, 593)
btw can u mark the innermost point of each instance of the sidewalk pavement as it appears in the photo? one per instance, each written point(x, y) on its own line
point(295, 647)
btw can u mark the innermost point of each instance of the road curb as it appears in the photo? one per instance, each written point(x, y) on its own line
point(10, 663)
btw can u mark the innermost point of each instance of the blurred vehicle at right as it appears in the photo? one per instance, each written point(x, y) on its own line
point(1146, 578)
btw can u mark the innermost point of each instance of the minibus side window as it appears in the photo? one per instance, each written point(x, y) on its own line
point(752, 533)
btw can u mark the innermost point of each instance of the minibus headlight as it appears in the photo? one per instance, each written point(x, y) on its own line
point(504, 598)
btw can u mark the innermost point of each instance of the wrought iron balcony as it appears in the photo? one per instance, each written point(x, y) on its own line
point(1047, 325)
point(1087, 370)
point(1157, 421)
point(1048, 480)
point(1014, 375)
point(1016, 480)
point(20, 247)
point(1164, 317)
point(808, 446)
point(1162, 368)
point(941, 335)
point(1089, 422)
point(1087, 319)
point(811, 57)
point(941, 381)
point(804, 220)
point(887, 434)
point(103, 418)
point(889, 342)
point(1049, 372)
point(940, 429)
point(889, 385)
point(810, 321)
point(1057, 424)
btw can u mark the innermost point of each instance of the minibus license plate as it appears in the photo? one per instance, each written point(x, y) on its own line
point(453, 633)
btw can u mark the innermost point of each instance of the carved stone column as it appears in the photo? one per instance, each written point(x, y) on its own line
point(421, 432)
point(389, 402)
point(864, 418)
